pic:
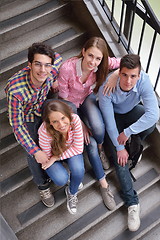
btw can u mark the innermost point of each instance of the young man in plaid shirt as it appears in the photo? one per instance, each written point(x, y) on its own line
point(26, 92)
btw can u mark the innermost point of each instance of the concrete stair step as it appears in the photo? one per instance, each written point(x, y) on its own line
point(6, 231)
point(32, 19)
point(60, 217)
point(42, 33)
point(7, 143)
point(3, 105)
point(6, 2)
point(11, 179)
point(19, 173)
point(16, 181)
point(115, 225)
point(72, 52)
point(153, 233)
point(91, 211)
point(55, 42)
point(6, 129)
point(29, 207)
point(12, 161)
point(12, 8)
point(149, 215)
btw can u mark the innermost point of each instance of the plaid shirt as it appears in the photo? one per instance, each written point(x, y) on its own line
point(25, 101)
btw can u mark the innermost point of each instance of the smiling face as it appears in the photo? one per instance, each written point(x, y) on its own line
point(40, 69)
point(128, 78)
point(92, 57)
point(59, 122)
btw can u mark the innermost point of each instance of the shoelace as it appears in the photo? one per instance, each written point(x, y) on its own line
point(46, 193)
point(132, 213)
point(73, 199)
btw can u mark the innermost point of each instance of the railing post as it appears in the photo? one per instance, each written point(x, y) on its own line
point(127, 21)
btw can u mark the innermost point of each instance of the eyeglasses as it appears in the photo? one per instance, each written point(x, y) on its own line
point(40, 65)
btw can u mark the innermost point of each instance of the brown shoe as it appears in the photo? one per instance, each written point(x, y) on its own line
point(47, 197)
point(104, 159)
point(108, 198)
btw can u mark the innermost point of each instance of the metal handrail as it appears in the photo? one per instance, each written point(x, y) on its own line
point(127, 21)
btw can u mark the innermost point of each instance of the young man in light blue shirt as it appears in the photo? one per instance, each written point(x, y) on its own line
point(131, 110)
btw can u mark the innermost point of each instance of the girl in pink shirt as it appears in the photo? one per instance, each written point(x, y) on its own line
point(61, 138)
point(78, 82)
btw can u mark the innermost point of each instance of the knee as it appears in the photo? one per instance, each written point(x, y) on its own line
point(99, 129)
point(92, 146)
point(79, 171)
point(93, 143)
point(59, 179)
point(121, 171)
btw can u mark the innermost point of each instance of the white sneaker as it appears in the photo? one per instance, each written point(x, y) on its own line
point(133, 217)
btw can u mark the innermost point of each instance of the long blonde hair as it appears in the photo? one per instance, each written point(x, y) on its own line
point(102, 71)
point(58, 143)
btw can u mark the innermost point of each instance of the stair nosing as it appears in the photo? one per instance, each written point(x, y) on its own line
point(134, 235)
point(78, 234)
point(30, 19)
point(121, 203)
point(24, 60)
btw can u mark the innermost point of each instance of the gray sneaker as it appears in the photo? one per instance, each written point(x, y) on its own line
point(108, 198)
point(71, 201)
point(104, 159)
point(47, 197)
point(133, 217)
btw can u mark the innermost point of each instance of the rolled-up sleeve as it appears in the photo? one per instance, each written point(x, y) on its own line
point(113, 63)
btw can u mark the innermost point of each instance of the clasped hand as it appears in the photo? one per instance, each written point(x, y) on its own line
point(41, 157)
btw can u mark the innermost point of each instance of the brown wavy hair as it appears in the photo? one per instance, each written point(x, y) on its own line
point(58, 143)
point(102, 71)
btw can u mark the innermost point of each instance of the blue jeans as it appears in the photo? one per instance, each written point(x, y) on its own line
point(92, 117)
point(94, 159)
point(59, 175)
point(123, 121)
point(90, 114)
point(39, 175)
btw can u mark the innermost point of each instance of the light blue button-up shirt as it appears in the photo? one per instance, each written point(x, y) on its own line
point(123, 102)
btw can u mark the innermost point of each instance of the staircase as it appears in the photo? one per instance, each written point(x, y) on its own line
point(23, 214)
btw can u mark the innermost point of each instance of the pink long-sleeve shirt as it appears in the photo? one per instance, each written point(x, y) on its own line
point(74, 141)
point(69, 83)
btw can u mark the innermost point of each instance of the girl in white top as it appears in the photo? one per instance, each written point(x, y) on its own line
point(61, 138)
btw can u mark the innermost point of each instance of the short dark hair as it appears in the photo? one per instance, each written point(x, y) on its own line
point(130, 61)
point(40, 48)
